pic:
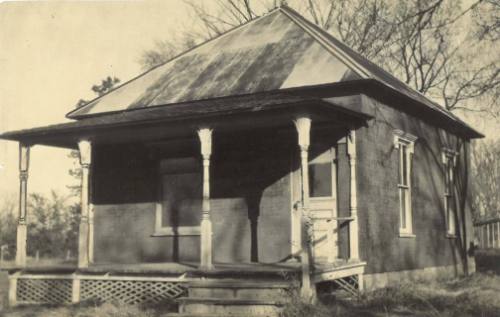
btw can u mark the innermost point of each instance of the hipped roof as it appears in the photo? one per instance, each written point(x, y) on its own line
point(278, 51)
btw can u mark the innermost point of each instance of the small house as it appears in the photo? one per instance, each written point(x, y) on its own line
point(272, 153)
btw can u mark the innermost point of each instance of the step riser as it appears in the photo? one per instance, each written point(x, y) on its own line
point(252, 310)
point(230, 293)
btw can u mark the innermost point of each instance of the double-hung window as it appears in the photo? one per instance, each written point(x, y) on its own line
point(449, 162)
point(404, 144)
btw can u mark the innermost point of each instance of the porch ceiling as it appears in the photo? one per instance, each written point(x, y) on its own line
point(270, 109)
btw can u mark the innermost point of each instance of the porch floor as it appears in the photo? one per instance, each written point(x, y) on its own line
point(170, 268)
point(190, 268)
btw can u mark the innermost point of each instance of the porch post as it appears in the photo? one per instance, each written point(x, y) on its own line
point(205, 136)
point(485, 229)
point(303, 126)
point(85, 148)
point(91, 231)
point(22, 231)
point(479, 232)
point(353, 199)
point(498, 234)
point(487, 235)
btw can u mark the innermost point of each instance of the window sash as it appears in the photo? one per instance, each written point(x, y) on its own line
point(404, 188)
point(450, 214)
point(449, 195)
point(403, 194)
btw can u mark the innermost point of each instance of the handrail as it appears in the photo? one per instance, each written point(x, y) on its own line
point(341, 219)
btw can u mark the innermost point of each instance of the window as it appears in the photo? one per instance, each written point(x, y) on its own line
point(180, 197)
point(404, 144)
point(449, 162)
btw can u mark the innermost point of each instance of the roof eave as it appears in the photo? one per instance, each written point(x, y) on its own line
point(466, 130)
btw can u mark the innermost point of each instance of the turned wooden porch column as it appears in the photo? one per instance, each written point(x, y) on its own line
point(353, 198)
point(303, 126)
point(22, 231)
point(84, 251)
point(205, 136)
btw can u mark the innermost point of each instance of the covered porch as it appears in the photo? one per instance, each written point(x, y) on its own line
point(261, 162)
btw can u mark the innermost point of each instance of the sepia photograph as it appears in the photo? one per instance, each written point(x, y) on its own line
point(250, 158)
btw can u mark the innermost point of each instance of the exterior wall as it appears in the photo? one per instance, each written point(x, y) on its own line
point(251, 198)
point(378, 200)
point(250, 205)
point(379, 280)
point(124, 196)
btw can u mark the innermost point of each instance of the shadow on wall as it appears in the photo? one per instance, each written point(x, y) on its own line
point(250, 199)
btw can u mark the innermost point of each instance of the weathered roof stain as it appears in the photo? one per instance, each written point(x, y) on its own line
point(269, 53)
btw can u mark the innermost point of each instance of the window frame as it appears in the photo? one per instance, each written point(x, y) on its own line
point(404, 143)
point(449, 160)
point(160, 230)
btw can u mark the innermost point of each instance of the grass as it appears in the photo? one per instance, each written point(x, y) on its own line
point(90, 309)
point(476, 295)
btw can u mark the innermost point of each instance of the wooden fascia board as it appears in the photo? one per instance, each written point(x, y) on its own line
point(65, 136)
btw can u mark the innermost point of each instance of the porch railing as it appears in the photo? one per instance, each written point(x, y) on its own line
point(488, 233)
point(74, 288)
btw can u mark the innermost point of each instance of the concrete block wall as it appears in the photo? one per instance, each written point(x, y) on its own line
point(378, 200)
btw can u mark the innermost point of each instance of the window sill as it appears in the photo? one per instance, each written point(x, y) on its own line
point(178, 231)
point(407, 235)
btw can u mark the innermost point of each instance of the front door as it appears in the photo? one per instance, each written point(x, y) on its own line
point(323, 202)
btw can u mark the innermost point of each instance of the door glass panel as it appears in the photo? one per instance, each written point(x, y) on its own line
point(320, 175)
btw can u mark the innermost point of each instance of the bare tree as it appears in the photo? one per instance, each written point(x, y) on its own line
point(8, 225)
point(487, 19)
point(432, 53)
point(426, 43)
point(486, 178)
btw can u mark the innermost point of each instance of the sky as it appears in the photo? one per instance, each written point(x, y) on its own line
point(51, 53)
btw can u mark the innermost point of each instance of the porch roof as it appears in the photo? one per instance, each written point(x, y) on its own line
point(283, 102)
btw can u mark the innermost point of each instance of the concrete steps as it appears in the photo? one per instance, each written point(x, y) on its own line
point(235, 297)
point(222, 307)
point(216, 315)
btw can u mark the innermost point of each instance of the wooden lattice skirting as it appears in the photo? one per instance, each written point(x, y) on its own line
point(65, 289)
